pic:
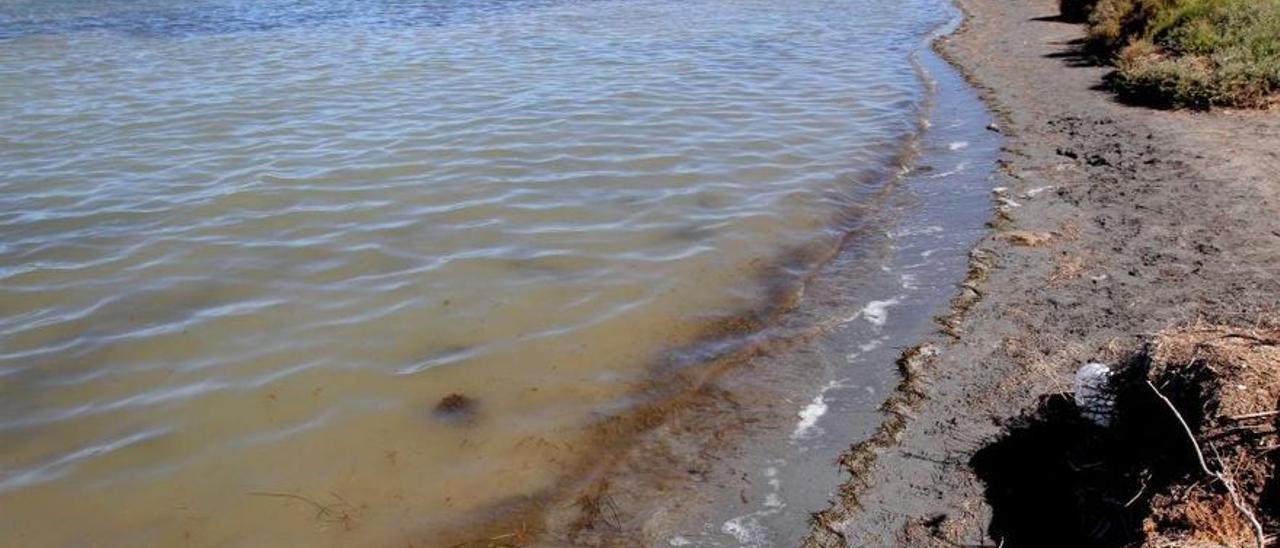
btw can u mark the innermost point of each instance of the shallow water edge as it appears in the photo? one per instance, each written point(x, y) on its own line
point(739, 449)
point(224, 315)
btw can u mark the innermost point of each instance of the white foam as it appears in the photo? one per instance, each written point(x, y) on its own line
point(917, 231)
point(772, 500)
point(746, 530)
point(679, 541)
point(1037, 190)
point(958, 145)
point(877, 312)
point(864, 348)
point(959, 168)
point(809, 415)
point(872, 344)
point(908, 281)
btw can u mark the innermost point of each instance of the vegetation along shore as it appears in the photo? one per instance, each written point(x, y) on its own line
point(1127, 233)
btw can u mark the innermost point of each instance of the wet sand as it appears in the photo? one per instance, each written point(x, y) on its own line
point(1117, 221)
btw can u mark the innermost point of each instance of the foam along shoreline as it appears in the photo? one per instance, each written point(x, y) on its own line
point(923, 256)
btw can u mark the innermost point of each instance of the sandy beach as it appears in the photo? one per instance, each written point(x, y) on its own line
point(1115, 222)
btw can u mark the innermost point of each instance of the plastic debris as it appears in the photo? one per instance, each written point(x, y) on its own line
point(1095, 396)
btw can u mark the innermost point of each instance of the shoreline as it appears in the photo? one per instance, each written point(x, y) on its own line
point(746, 485)
point(1118, 221)
point(691, 468)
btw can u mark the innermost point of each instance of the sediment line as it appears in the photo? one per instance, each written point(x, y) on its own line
point(910, 391)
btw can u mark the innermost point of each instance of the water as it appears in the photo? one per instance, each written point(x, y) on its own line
point(245, 248)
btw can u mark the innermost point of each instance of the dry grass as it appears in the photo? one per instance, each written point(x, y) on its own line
point(1067, 267)
point(1189, 459)
point(1245, 364)
point(1207, 518)
point(1027, 238)
point(1039, 367)
point(1236, 373)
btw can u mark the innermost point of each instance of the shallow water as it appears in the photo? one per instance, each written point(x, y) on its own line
point(246, 247)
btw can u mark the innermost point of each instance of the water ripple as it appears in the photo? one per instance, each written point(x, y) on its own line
point(226, 223)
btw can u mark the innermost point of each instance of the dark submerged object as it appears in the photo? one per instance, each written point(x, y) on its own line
point(455, 406)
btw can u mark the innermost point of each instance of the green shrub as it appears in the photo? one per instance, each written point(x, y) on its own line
point(1191, 53)
point(1166, 82)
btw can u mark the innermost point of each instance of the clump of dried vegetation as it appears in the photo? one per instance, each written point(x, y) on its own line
point(1189, 460)
point(1187, 53)
point(1233, 380)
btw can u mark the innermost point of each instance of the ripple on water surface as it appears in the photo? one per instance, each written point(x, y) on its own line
point(246, 247)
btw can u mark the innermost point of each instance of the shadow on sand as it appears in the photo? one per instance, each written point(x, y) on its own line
point(1057, 479)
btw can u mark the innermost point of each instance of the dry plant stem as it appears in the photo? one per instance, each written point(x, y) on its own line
point(1236, 499)
point(325, 513)
point(1256, 415)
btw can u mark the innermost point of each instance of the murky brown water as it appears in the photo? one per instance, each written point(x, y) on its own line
point(245, 248)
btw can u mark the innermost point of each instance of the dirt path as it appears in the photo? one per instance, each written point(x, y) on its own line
point(1118, 221)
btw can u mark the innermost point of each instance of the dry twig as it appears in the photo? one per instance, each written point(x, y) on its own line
point(1236, 498)
point(1261, 415)
point(339, 512)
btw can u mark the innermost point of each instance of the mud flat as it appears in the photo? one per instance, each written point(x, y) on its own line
point(1116, 222)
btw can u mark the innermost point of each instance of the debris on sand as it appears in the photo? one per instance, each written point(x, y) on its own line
point(1027, 238)
point(1094, 395)
point(1227, 382)
point(1187, 456)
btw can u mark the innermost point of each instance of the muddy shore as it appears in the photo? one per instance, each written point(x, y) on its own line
point(1116, 222)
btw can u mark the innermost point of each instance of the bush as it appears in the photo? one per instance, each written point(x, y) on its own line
point(1164, 82)
point(1114, 24)
point(1191, 53)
